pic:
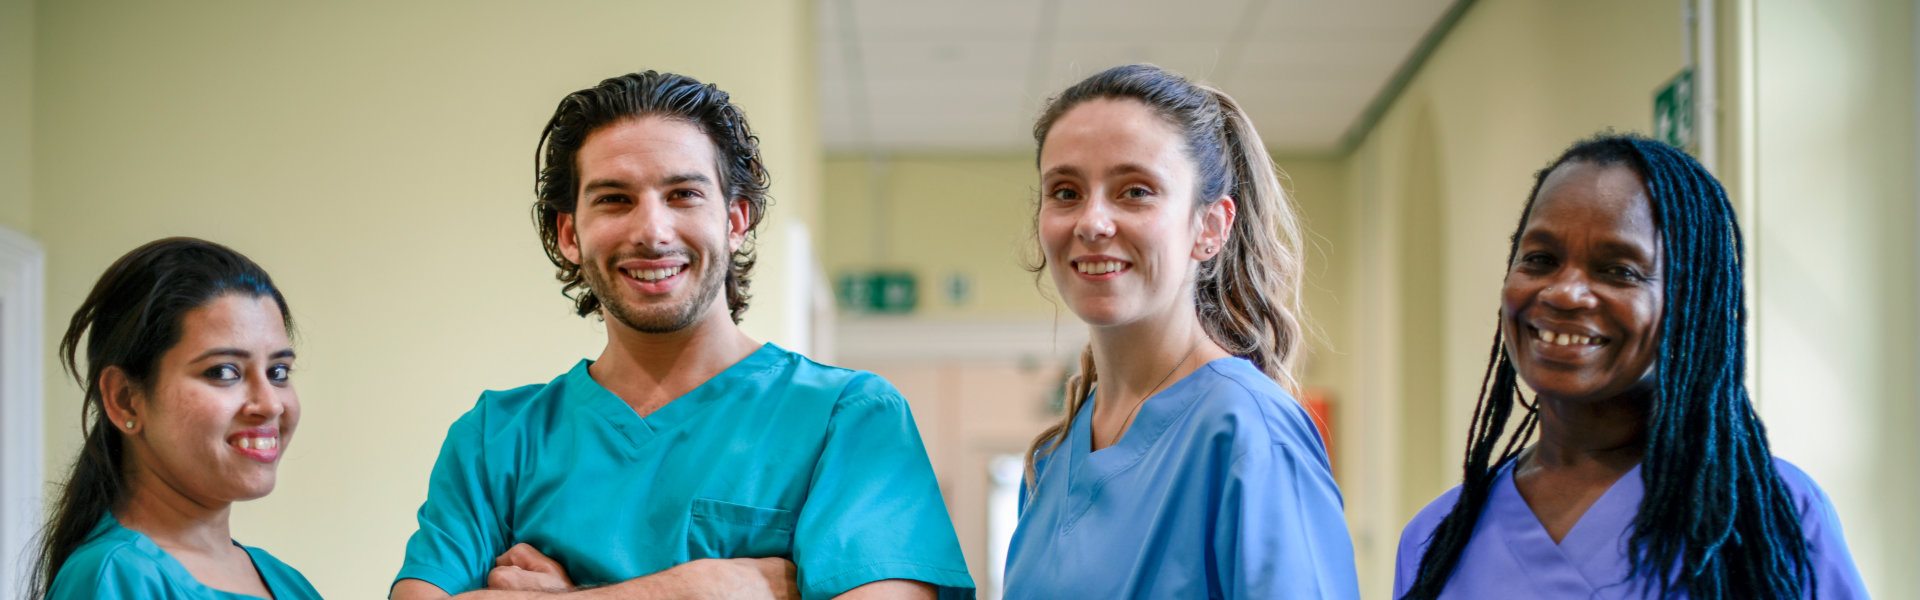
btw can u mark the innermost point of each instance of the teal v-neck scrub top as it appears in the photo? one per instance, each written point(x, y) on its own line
point(115, 562)
point(1220, 489)
point(775, 456)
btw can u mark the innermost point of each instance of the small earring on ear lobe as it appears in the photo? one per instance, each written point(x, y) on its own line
point(129, 424)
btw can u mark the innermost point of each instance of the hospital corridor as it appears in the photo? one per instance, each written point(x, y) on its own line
point(979, 202)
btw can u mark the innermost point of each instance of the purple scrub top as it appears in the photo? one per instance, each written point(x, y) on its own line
point(1511, 556)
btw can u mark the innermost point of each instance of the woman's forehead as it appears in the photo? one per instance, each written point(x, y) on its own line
point(1104, 130)
point(1588, 197)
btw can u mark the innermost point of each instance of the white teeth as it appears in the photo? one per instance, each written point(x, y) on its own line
point(253, 443)
point(1098, 268)
point(1563, 339)
point(654, 274)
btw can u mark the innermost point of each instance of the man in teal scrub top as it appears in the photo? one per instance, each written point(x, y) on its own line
point(687, 460)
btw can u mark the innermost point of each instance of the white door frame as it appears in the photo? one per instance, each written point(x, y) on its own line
point(22, 483)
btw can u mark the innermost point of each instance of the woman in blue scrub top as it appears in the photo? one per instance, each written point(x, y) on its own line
point(188, 409)
point(1183, 467)
point(1623, 310)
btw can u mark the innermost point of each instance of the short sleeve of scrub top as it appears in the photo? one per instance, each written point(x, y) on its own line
point(775, 456)
point(118, 563)
point(873, 505)
point(459, 518)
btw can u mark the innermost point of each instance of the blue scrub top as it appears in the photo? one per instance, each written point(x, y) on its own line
point(115, 562)
point(1510, 554)
point(775, 456)
point(1220, 489)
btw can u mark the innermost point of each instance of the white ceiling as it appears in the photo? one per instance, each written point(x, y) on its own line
point(971, 75)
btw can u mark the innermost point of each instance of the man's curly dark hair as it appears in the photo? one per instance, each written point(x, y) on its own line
point(634, 95)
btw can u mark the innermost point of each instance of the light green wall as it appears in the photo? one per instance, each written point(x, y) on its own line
point(376, 157)
point(1837, 265)
point(936, 216)
point(1318, 189)
point(16, 114)
point(940, 214)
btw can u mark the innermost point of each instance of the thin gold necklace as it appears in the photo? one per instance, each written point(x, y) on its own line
point(1128, 424)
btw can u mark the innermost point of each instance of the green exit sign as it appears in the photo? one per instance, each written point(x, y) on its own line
point(1673, 111)
point(878, 291)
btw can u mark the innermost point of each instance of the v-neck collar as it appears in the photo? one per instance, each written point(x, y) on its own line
point(177, 571)
point(1591, 556)
point(639, 431)
point(1088, 470)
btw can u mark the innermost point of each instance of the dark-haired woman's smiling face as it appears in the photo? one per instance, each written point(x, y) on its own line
point(1582, 304)
point(222, 407)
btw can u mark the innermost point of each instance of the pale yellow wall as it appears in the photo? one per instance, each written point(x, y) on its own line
point(16, 114)
point(1837, 265)
point(376, 157)
point(1436, 189)
point(937, 215)
point(1318, 188)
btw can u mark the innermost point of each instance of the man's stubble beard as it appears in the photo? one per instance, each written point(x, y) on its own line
point(662, 319)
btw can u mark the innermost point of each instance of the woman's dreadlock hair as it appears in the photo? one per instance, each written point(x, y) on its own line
point(1716, 520)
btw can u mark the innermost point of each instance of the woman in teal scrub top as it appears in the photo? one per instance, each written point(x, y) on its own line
point(1183, 467)
point(188, 409)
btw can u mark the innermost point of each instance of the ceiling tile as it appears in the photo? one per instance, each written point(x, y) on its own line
point(950, 75)
point(1145, 20)
point(910, 20)
point(1070, 62)
point(946, 59)
point(1347, 15)
point(1342, 55)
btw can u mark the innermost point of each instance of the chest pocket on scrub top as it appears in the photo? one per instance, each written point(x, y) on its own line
point(717, 529)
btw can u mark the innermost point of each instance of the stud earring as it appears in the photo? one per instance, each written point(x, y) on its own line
point(129, 423)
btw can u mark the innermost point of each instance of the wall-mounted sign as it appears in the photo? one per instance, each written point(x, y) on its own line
point(959, 288)
point(1673, 111)
point(878, 291)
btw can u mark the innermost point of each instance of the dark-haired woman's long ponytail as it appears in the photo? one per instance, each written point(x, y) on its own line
point(94, 485)
point(93, 488)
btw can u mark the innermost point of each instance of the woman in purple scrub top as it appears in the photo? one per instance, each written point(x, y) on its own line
point(1650, 477)
point(1183, 468)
